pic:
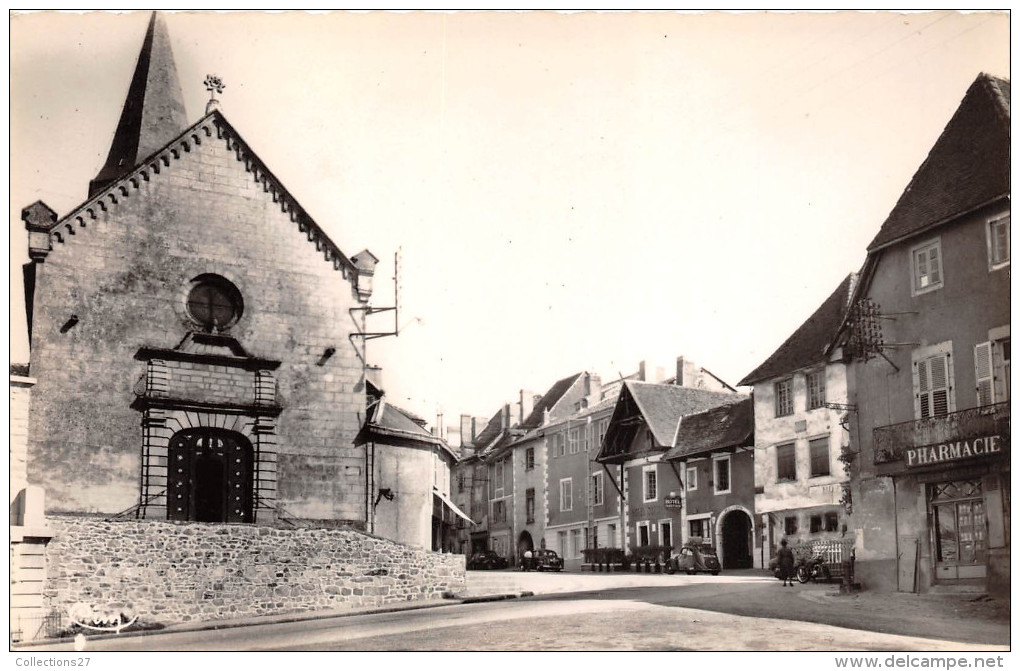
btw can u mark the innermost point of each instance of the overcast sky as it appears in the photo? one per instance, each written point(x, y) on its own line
point(570, 191)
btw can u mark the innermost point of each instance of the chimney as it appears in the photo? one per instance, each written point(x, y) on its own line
point(593, 389)
point(527, 403)
point(506, 416)
point(467, 431)
point(679, 371)
point(439, 430)
point(641, 372)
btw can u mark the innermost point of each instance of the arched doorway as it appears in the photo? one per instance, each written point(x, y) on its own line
point(524, 543)
point(209, 476)
point(735, 529)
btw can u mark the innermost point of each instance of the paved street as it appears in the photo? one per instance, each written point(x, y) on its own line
point(649, 617)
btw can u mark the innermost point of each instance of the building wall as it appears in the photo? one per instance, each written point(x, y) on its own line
point(525, 479)
point(652, 512)
point(890, 513)
point(20, 401)
point(408, 473)
point(805, 496)
point(171, 572)
point(126, 274)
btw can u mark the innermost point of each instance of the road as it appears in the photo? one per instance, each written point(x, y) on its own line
point(635, 618)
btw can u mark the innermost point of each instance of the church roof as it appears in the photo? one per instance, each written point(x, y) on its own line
point(967, 168)
point(213, 127)
point(153, 111)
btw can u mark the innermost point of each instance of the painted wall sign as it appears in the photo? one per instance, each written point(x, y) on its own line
point(952, 451)
point(674, 502)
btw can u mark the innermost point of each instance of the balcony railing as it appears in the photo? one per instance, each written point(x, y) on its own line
point(890, 441)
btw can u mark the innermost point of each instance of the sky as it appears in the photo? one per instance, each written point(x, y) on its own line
point(568, 191)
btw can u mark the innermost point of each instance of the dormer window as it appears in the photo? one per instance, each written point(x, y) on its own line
point(214, 303)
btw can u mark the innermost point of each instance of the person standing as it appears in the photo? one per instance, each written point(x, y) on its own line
point(527, 560)
point(786, 561)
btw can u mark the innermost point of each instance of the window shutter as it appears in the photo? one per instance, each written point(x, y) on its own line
point(983, 373)
point(939, 386)
point(923, 389)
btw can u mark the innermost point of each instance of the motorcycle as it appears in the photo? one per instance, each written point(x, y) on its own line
point(812, 569)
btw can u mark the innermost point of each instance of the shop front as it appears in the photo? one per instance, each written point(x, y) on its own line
point(951, 498)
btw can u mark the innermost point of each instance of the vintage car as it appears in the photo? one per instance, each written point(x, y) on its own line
point(695, 556)
point(544, 560)
point(486, 560)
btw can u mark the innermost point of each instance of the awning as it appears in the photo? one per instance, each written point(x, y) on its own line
point(449, 504)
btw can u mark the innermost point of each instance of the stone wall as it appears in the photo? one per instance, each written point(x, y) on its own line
point(174, 572)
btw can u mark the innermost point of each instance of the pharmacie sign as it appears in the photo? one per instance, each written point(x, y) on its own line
point(952, 451)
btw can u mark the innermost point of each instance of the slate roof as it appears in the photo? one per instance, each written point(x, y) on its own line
point(719, 428)
point(492, 430)
point(389, 421)
point(966, 168)
point(662, 405)
point(548, 401)
point(809, 343)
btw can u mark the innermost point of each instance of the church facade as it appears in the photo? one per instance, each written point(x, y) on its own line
point(191, 332)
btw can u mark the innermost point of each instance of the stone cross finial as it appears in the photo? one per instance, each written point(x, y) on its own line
point(213, 85)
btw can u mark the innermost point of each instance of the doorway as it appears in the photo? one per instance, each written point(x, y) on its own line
point(736, 540)
point(209, 476)
point(957, 511)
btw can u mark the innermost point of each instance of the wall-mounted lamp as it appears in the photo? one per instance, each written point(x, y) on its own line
point(384, 493)
point(330, 351)
point(69, 324)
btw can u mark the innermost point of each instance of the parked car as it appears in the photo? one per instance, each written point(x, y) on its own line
point(486, 560)
point(694, 557)
point(545, 560)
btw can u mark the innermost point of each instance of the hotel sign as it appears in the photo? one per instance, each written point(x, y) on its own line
point(952, 451)
point(674, 502)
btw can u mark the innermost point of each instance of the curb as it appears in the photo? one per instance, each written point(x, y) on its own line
point(213, 625)
point(483, 598)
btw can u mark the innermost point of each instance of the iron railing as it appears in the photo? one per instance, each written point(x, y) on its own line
point(988, 420)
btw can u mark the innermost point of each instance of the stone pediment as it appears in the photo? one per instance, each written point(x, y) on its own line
point(209, 348)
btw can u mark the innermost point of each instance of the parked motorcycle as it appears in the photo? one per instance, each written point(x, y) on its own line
point(812, 569)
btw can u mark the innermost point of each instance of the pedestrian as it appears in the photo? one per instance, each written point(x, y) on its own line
point(786, 560)
point(527, 560)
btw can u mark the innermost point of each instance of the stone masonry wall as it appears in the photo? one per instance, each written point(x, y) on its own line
point(175, 572)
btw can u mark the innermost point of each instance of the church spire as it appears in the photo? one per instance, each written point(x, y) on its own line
point(153, 112)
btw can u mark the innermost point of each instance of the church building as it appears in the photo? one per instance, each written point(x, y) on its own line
point(194, 332)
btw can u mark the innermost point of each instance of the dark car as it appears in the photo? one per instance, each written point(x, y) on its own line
point(545, 560)
point(486, 560)
point(694, 557)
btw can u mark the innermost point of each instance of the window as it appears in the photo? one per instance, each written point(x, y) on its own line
point(832, 521)
point(816, 389)
point(991, 371)
point(722, 475)
point(499, 511)
point(574, 440)
point(214, 303)
point(1000, 361)
point(784, 397)
point(998, 243)
point(601, 432)
point(529, 505)
point(786, 463)
point(816, 523)
point(566, 494)
point(559, 445)
point(698, 528)
point(819, 448)
point(529, 459)
point(575, 543)
point(642, 534)
point(460, 483)
point(927, 267)
point(692, 478)
point(790, 525)
point(933, 381)
point(596, 489)
point(498, 469)
point(561, 537)
point(651, 493)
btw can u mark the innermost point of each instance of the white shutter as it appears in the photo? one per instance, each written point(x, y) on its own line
point(983, 373)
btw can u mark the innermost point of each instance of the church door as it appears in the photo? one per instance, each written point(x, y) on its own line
point(209, 477)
